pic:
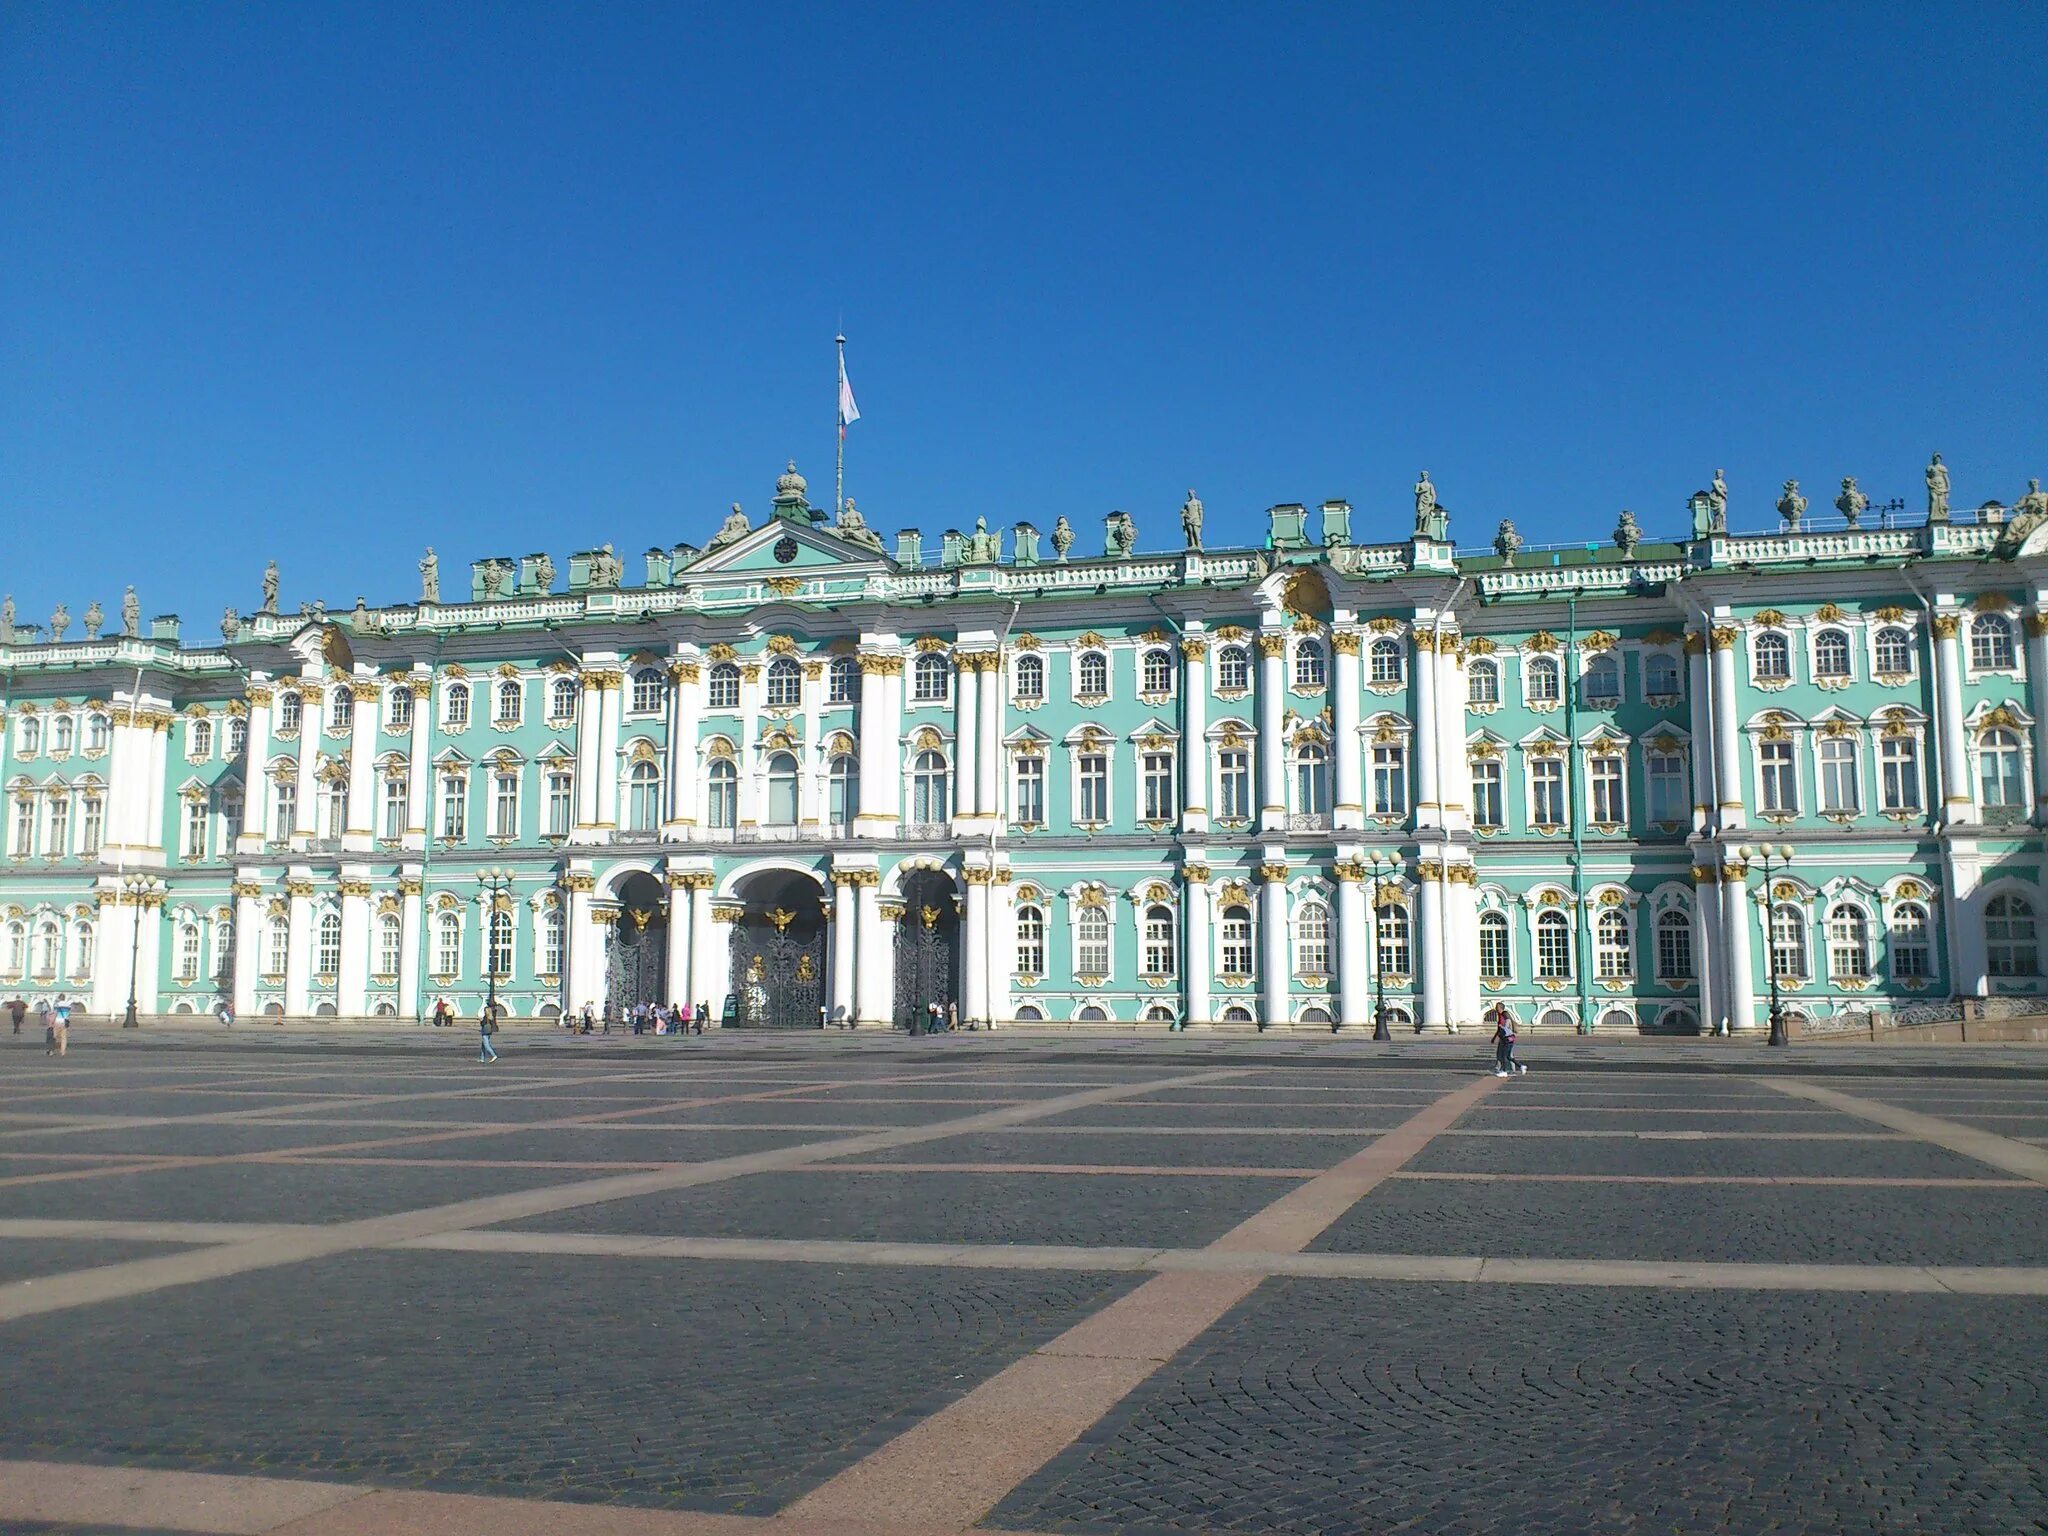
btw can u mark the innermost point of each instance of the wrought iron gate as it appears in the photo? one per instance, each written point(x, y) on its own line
point(637, 968)
point(778, 966)
point(927, 947)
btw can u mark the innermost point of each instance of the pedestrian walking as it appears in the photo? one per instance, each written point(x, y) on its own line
point(607, 1017)
point(589, 1023)
point(225, 1012)
point(47, 1017)
point(60, 1024)
point(487, 1027)
point(1504, 1063)
point(703, 1014)
point(17, 1011)
point(441, 1012)
point(952, 1017)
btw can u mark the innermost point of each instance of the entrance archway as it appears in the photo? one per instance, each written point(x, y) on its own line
point(636, 969)
point(927, 946)
point(778, 953)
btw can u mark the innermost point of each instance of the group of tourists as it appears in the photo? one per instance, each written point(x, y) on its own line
point(55, 1017)
point(936, 1019)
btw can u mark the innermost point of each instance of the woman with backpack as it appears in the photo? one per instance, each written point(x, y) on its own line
point(1504, 1063)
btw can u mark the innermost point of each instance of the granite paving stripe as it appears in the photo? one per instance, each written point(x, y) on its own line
point(957, 1465)
point(212, 1140)
point(584, 1143)
point(1195, 1171)
point(1111, 1148)
point(28, 1258)
point(149, 1231)
point(1847, 1180)
point(134, 1498)
point(1668, 1154)
point(1535, 1117)
point(1967, 1141)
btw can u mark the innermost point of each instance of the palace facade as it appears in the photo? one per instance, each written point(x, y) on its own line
point(805, 776)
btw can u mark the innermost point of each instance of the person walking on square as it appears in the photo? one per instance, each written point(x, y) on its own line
point(49, 1023)
point(60, 1024)
point(487, 1026)
point(17, 1011)
point(1504, 1063)
point(703, 1013)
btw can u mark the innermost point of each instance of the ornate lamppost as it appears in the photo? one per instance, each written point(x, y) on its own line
point(497, 885)
point(1382, 864)
point(1773, 857)
point(141, 891)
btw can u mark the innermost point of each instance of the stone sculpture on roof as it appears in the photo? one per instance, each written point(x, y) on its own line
point(1062, 536)
point(131, 613)
point(1792, 505)
point(430, 577)
point(1191, 520)
point(270, 587)
point(733, 528)
point(855, 530)
point(59, 622)
point(1937, 490)
point(95, 616)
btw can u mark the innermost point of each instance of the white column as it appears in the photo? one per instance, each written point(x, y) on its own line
point(684, 688)
point(974, 941)
point(109, 995)
point(812, 780)
point(1955, 761)
point(1429, 938)
point(1738, 917)
point(677, 956)
point(750, 761)
point(298, 963)
point(1354, 956)
point(1453, 769)
point(610, 699)
point(988, 794)
point(255, 782)
point(874, 967)
point(419, 770)
point(1701, 713)
point(1347, 747)
point(1194, 743)
point(352, 988)
point(1709, 963)
point(710, 970)
point(1727, 751)
point(1429, 810)
point(312, 712)
point(149, 958)
point(589, 736)
point(585, 939)
point(150, 845)
point(412, 935)
point(364, 721)
point(2037, 697)
point(1962, 913)
point(248, 945)
point(842, 1006)
point(1272, 749)
point(1273, 971)
point(1197, 961)
point(1461, 919)
point(966, 736)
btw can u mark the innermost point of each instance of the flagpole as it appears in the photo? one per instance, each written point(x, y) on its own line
point(839, 476)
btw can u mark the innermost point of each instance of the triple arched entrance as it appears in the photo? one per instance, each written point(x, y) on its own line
point(778, 954)
point(927, 946)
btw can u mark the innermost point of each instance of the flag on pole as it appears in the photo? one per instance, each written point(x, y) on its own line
point(848, 411)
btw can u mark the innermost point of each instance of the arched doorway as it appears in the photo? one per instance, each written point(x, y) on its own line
point(778, 954)
point(927, 946)
point(636, 971)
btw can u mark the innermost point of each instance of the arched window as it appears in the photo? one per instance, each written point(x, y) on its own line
point(1030, 1013)
point(49, 948)
point(1030, 678)
point(1233, 669)
point(448, 945)
point(647, 691)
point(199, 743)
point(499, 960)
point(1236, 947)
point(327, 945)
point(2001, 779)
point(1311, 779)
point(98, 733)
point(781, 789)
point(1553, 946)
point(31, 740)
point(722, 797)
point(551, 939)
point(238, 737)
point(1091, 942)
point(17, 948)
point(1385, 661)
point(2011, 947)
point(1093, 675)
point(785, 683)
point(722, 689)
point(1848, 942)
point(1091, 1015)
point(61, 735)
point(1237, 1014)
point(1613, 959)
point(928, 678)
point(1840, 782)
point(1542, 676)
point(928, 786)
point(1773, 657)
point(189, 943)
point(398, 708)
point(1911, 955)
point(1660, 676)
point(1788, 942)
point(455, 707)
point(1030, 940)
point(1600, 684)
point(341, 709)
point(335, 793)
point(390, 944)
point(842, 680)
point(1394, 930)
point(510, 703)
point(1311, 668)
point(1312, 939)
point(1496, 953)
point(1157, 949)
point(842, 788)
point(643, 797)
point(1831, 654)
point(277, 939)
point(562, 699)
point(1894, 652)
point(1991, 645)
point(1155, 672)
point(1482, 682)
point(290, 711)
point(81, 947)
point(1674, 946)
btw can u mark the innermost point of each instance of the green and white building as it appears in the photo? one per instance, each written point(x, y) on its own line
point(804, 775)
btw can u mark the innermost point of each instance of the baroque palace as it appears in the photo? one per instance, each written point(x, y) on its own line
point(809, 777)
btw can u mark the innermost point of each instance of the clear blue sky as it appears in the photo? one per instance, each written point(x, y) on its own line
point(333, 282)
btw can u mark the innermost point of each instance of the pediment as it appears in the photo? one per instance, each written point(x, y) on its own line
point(809, 549)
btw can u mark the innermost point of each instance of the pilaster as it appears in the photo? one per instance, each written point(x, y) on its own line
point(1273, 967)
point(1348, 750)
point(1272, 649)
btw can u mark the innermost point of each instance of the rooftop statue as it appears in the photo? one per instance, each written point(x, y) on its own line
point(983, 547)
point(734, 527)
point(1717, 497)
point(270, 587)
point(1628, 533)
point(544, 573)
point(94, 618)
point(1062, 536)
point(230, 623)
point(1425, 508)
point(1792, 505)
point(1852, 503)
point(131, 613)
point(7, 618)
point(1191, 520)
point(59, 622)
point(491, 575)
point(854, 528)
point(1937, 490)
point(606, 569)
point(430, 577)
point(1506, 541)
point(2026, 516)
point(1123, 534)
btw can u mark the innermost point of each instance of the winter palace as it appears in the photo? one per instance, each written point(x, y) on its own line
point(812, 777)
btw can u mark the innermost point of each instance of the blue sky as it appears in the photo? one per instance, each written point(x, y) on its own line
point(332, 283)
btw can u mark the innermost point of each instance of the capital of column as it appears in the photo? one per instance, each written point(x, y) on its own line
point(1271, 645)
point(1344, 642)
point(359, 889)
point(1194, 648)
point(1273, 872)
point(299, 888)
point(1724, 637)
point(1946, 625)
point(1349, 871)
point(1195, 874)
point(727, 911)
point(974, 876)
point(261, 693)
point(247, 890)
point(579, 882)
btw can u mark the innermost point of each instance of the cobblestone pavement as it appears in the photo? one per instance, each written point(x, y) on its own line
point(882, 1287)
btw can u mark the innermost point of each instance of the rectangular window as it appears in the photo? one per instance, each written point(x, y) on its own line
point(92, 822)
point(1030, 941)
point(1092, 782)
point(195, 829)
point(286, 798)
point(551, 942)
point(1840, 794)
point(1030, 787)
point(1486, 795)
point(1157, 776)
point(1234, 784)
point(1780, 778)
point(1609, 808)
point(1664, 773)
point(1236, 953)
point(454, 806)
point(558, 806)
point(1899, 761)
point(24, 828)
point(60, 827)
point(395, 797)
point(505, 805)
point(1091, 942)
point(448, 947)
point(1546, 792)
point(387, 946)
point(1389, 780)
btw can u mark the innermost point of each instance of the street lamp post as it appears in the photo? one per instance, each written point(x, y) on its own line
point(1382, 864)
point(138, 888)
point(1773, 857)
point(497, 884)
